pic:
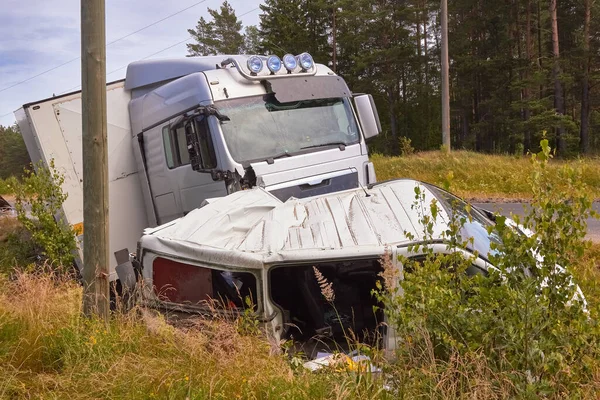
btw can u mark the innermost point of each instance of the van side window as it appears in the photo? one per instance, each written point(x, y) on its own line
point(176, 151)
point(185, 283)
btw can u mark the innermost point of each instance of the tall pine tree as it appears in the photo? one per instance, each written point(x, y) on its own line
point(219, 36)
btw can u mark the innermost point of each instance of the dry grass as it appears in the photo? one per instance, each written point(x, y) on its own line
point(587, 272)
point(8, 225)
point(48, 350)
point(477, 176)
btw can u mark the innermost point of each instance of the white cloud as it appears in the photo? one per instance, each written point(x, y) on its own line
point(37, 35)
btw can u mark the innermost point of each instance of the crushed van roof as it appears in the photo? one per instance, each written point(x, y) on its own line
point(252, 228)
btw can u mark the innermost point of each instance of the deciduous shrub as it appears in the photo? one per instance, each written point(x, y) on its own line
point(39, 199)
point(523, 322)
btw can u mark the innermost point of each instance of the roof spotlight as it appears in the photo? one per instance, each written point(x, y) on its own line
point(255, 64)
point(290, 63)
point(274, 64)
point(306, 61)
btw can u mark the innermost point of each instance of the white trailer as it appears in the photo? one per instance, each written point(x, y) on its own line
point(51, 129)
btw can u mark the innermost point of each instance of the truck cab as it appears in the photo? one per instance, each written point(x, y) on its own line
point(206, 127)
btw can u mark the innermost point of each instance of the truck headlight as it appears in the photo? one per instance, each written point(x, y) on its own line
point(306, 61)
point(255, 64)
point(274, 64)
point(290, 62)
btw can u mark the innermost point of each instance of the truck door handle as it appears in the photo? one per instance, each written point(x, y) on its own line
point(309, 186)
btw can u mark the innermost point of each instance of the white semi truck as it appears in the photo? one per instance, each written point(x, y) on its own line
point(182, 131)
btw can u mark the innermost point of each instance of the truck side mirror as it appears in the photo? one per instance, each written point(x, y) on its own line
point(367, 115)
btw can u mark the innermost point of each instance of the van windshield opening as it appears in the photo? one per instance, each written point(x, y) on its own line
point(260, 127)
point(476, 224)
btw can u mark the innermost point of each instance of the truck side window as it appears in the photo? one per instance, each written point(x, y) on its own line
point(184, 156)
point(199, 145)
point(175, 144)
point(169, 154)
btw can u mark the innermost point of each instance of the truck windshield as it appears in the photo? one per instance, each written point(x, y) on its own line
point(260, 127)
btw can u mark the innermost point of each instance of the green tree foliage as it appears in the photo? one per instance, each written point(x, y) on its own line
point(221, 35)
point(252, 40)
point(502, 88)
point(502, 84)
point(13, 153)
point(296, 26)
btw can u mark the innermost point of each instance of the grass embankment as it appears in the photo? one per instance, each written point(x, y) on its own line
point(476, 176)
point(48, 350)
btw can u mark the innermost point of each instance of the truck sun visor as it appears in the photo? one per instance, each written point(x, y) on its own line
point(307, 88)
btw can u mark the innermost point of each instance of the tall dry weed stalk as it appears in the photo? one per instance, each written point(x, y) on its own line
point(390, 274)
point(325, 285)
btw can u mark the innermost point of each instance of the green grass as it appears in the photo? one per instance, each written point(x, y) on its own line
point(587, 273)
point(4, 187)
point(478, 176)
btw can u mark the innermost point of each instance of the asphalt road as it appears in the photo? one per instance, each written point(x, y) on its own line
point(519, 208)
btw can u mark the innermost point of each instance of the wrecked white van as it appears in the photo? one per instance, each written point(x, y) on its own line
point(251, 244)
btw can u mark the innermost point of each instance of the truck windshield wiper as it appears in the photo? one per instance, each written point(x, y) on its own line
point(272, 159)
point(342, 145)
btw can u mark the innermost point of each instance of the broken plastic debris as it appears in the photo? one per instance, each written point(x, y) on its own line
point(342, 362)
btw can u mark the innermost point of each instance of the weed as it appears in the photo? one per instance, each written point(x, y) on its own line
point(406, 148)
point(48, 349)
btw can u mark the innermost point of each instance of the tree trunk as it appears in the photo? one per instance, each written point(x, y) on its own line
point(526, 91)
point(584, 134)
point(540, 56)
point(418, 26)
point(425, 46)
point(393, 122)
point(477, 113)
point(559, 101)
point(445, 79)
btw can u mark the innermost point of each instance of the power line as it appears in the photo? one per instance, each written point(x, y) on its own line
point(153, 54)
point(6, 115)
point(125, 66)
point(108, 44)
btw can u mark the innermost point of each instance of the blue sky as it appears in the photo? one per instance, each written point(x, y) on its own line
point(37, 35)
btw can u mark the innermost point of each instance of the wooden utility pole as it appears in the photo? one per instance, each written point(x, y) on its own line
point(95, 159)
point(445, 79)
point(334, 44)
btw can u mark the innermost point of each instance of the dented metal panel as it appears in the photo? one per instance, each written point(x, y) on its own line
point(253, 229)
